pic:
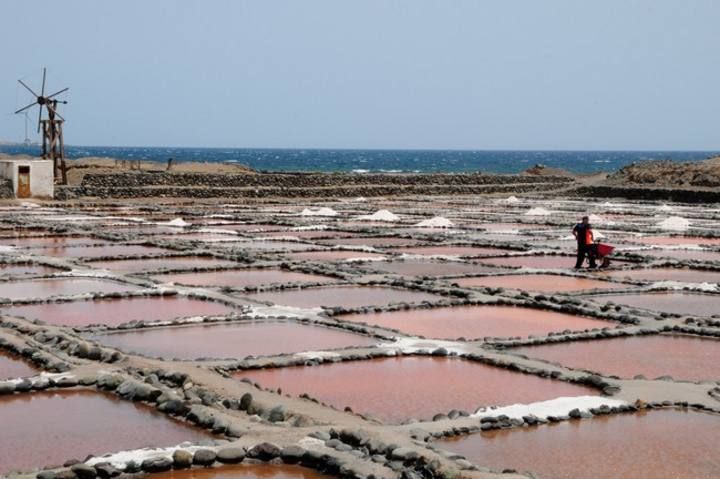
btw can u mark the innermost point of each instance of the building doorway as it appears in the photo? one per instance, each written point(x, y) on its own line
point(23, 185)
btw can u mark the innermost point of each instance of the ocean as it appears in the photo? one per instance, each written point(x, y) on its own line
point(361, 161)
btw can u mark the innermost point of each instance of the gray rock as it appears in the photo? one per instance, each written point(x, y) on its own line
point(45, 475)
point(264, 451)
point(245, 401)
point(157, 464)
point(292, 454)
point(277, 414)
point(204, 457)
point(182, 459)
point(83, 471)
point(403, 454)
point(7, 388)
point(106, 470)
point(231, 455)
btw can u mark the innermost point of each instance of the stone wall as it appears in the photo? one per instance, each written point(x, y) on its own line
point(650, 194)
point(296, 185)
point(6, 189)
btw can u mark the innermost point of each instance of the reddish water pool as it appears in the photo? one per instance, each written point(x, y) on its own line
point(308, 234)
point(245, 471)
point(463, 251)
point(48, 428)
point(50, 241)
point(179, 262)
point(237, 340)
point(347, 296)
point(40, 288)
point(676, 303)
point(374, 242)
point(539, 261)
point(99, 251)
point(682, 357)
point(24, 269)
point(683, 275)
point(13, 366)
point(473, 322)
point(334, 255)
point(113, 312)
point(537, 282)
point(428, 268)
point(674, 240)
point(682, 254)
point(242, 278)
point(394, 389)
point(658, 444)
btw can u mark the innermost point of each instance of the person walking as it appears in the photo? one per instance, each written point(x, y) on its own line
point(584, 236)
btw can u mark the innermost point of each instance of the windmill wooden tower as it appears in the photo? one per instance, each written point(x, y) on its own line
point(53, 147)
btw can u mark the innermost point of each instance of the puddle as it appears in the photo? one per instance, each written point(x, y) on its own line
point(245, 471)
point(473, 322)
point(333, 255)
point(179, 262)
point(242, 278)
point(113, 312)
point(237, 340)
point(24, 269)
point(682, 357)
point(428, 268)
point(683, 275)
point(346, 296)
point(48, 428)
point(99, 251)
point(395, 389)
point(658, 444)
point(675, 303)
point(537, 282)
point(462, 251)
point(13, 366)
point(43, 288)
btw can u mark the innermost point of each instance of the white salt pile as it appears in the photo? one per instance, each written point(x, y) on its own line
point(380, 215)
point(674, 223)
point(538, 212)
point(319, 212)
point(508, 201)
point(177, 222)
point(664, 208)
point(436, 222)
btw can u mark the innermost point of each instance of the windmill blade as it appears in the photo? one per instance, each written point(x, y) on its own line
point(39, 118)
point(28, 88)
point(42, 92)
point(57, 93)
point(26, 107)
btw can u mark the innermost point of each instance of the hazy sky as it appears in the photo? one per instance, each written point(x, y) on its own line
point(456, 74)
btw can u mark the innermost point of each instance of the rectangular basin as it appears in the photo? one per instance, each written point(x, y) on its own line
point(13, 366)
point(545, 283)
point(658, 444)
point(155, 264)
point(682, 275)
point(113, 312)
point(461, 251)
point(241, 278)
point(396, 389)
point(691, 358)
point(674, 303)
point(333, 256)
point(99, 251)
point(25, 269)
point(49, 428)
point(42, 288)
point(346, 296)
point(475, 322)
point(235, 340)
point(427, 267)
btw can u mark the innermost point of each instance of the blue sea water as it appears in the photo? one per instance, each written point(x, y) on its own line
point(424, 161)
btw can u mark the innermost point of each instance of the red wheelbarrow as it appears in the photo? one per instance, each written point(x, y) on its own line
point(602, 251)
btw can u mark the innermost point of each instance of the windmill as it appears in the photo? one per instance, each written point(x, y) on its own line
point(53, 147)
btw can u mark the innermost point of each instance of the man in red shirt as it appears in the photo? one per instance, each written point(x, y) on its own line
point(584, 236)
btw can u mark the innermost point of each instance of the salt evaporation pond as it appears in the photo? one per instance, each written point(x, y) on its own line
point(545, 283)
point(60, 287)
point(374, 242)
point(396, 389)
point(674, 240)
point(50, 241)
point(333, 255)
point(428, 268)
point(345, 296)
point(49, 428)
point(682, 275)
point(674, 303)
point(686, 357)
point(462, 251)
point(657, 444)
point(113, 312)
point(241, 278)
point(473, 322)
point(681, 254)
point(13, 366)
point(99, 251)
point(235, 340)
point(25, 269)
point(154, 264)
point(245, 471)
point(538, 261)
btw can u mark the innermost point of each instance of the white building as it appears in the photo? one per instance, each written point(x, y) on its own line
point(31, 178)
